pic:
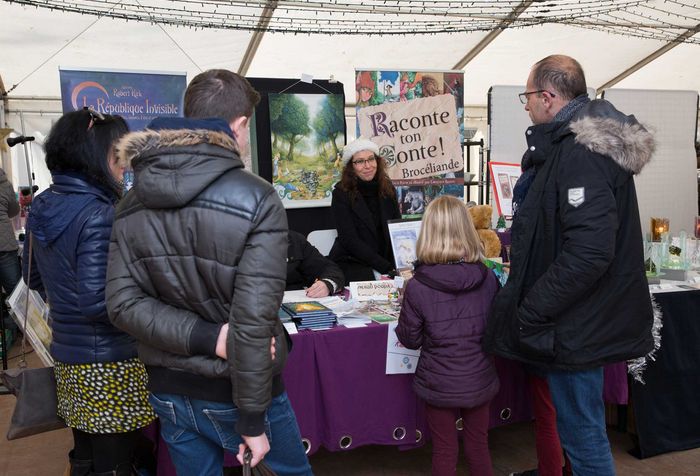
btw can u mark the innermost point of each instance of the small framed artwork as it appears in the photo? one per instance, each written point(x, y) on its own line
point(404, 235)
point(503, 177)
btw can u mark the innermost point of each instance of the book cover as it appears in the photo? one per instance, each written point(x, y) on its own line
point(306, 308)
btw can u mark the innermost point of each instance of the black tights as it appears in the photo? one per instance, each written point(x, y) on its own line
point(106, 450)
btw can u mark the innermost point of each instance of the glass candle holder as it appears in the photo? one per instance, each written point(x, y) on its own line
point(659, 227)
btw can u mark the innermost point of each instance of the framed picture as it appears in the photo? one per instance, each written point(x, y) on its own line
point(404, 236)
point(503, 177)
point(307, 136)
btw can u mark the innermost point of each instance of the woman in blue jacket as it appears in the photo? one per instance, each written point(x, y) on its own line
point(101, 384)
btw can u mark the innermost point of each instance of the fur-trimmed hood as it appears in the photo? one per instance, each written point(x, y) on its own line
point(603, 129)
point(171, 167)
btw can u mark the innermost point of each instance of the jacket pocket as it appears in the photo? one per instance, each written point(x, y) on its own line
point(535, 336)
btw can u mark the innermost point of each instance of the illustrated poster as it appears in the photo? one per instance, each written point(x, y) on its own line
point(399, 359)
point(392, 92)
point(308, 135)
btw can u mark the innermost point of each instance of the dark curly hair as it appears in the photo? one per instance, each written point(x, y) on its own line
point(81, 142)
point(348, 181)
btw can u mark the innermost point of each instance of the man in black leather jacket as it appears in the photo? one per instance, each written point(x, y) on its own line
point(196, 273)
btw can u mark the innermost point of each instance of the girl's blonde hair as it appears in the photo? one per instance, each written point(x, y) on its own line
point(448, 234)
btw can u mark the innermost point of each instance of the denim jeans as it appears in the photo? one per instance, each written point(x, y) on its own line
point(578, 399)
point(197, 430)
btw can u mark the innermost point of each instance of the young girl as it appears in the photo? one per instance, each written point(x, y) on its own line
point(444, 310)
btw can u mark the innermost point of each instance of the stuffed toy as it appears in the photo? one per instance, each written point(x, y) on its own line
point(481, 216)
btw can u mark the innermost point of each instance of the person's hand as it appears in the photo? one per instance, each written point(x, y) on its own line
point(317, 290)
point(259, 446)
point(221, 342)
point(272, 348)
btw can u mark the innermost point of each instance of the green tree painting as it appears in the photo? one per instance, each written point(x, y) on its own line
point(307, 135)
point(292, 121)
point(329, 123)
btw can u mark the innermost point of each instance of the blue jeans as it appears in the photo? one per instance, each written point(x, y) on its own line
point(578, 399)
point(197, 430)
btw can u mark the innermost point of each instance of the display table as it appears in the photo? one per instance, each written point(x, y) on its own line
point(666, 409)
point(343, 399)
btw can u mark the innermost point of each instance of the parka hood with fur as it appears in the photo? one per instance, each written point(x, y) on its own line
point(603, 129)
point(171, 167)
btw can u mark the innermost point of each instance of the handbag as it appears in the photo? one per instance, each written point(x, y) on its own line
point(260, 469)
point(36, 408)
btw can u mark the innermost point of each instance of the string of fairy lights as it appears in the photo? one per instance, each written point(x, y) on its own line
point(663, 20)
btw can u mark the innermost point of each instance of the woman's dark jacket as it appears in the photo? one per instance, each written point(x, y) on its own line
point(445, 310)
point(197, 243)
point(358, 241)
point(577, 295)
point(305, 264)
point(70, 224)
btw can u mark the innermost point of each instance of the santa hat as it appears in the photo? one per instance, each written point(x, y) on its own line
point(358, 145)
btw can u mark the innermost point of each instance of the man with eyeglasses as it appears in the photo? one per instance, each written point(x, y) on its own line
point(577, 297)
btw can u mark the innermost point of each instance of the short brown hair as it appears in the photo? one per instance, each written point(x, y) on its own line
point(561, 73)
point(222, 94)
point(448, 234)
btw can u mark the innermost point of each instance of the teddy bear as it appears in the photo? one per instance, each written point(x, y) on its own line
point(481, 216)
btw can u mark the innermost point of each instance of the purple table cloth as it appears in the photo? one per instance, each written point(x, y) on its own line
point(343, 399)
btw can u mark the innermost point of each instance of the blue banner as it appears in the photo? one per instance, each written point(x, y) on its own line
point(138, 97)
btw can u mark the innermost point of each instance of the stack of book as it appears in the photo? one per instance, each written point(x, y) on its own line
point(310, 315)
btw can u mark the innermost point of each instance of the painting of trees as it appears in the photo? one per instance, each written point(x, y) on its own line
point(307, 134)
point(291, 121)
point(329, 123)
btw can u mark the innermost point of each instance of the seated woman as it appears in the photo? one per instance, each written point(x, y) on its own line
point(363, 201)
point(307, 268)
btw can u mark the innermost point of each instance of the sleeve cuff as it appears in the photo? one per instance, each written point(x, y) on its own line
point(331, 285)
point(203, 338)
point(251, 423)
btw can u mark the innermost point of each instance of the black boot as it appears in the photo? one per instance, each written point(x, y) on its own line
point(79, 467)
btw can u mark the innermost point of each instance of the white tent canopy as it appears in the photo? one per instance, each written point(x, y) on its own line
point(494, 42)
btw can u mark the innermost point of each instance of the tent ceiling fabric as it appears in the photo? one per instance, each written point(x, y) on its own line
point(607, 37)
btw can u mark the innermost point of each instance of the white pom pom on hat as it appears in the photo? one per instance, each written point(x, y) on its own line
point(358, 145)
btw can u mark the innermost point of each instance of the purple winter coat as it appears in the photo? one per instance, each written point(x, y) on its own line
point(444, 310)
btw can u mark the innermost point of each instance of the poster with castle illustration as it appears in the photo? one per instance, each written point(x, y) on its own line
point(307, 135)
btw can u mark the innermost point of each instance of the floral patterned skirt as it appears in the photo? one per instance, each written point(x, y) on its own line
point(106, 397)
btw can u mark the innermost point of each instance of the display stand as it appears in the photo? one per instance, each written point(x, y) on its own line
point(472, 182)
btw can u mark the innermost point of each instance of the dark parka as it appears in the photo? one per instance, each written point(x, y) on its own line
point(357, 240)
point(305, 264)
point(577, 295)
point(199, 242)
point(444, 311)
point(70, 224)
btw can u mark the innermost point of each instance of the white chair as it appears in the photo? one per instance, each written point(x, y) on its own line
point(323, 240)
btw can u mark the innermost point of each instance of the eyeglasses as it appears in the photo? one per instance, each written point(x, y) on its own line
point(361, 163)
point(523, 96)
point(95, 117)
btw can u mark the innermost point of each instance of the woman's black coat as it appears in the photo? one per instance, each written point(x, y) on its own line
point(357, 242)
